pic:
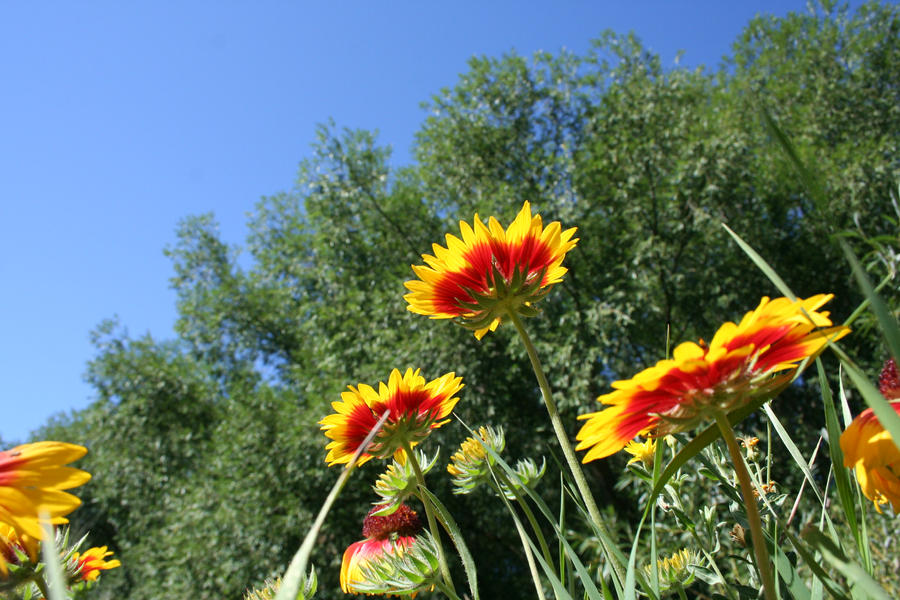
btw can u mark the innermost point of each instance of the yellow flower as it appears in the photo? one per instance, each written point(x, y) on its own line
point(754, 358)
point(869, 449)
point(642, 452)
point(415, 408)
point(10, 546)
point(32, 477)
point(676, 570)
point(478, 278)
point(93, 560)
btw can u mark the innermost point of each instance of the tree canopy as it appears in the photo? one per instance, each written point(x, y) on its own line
point(207, 458)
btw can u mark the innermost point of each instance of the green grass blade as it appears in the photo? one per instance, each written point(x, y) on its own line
point(296, 572)
point(507, 475)
point(814, 565)
point(841, 476)
point(56, 583)
point(761, 264)
point(802, 463)
point(810, 182)
point(456, 537)
point(886, 321)
point(860, 580)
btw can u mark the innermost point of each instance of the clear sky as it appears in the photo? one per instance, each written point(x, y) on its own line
point(118, 119)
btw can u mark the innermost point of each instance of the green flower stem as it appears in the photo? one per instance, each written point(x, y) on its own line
point(545, 550)
point(568, 451)
point(729, 591)
point(429, 513)
point(756, 531)
point(41, 585)
point(451, 594)
point(535, 577)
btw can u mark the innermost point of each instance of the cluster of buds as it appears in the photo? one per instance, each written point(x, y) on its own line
point(472, 464)
point(676, 571)
point(269, 590)
point(398, 482)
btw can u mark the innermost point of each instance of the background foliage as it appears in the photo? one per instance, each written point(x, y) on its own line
point(207, 460)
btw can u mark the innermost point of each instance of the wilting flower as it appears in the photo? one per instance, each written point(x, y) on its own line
point(488, 272)
point(32, 477)
point(93, 560)
point(869, 449)
point(889, 380)
point(385, 535)
point(744, 361)
point(415, 408)
point(642, 452)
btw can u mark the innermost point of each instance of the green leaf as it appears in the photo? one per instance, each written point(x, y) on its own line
point(841, 475)
point(888, 323)
point(456, 536)
point(761, 263)
point(855, 574)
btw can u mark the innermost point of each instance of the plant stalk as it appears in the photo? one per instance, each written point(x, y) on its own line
point(753, 520)
point(568, 451)
point(429, 513)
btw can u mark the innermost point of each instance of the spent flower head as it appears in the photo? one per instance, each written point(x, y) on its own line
point(476, 280)
point(384, 535)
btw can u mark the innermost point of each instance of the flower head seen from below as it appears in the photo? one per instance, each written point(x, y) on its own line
point(874, 456)
point(490, 271)
point(32, 480)
point(385, 535)
point(93, 560)
point(745, 361)
point(414, 407)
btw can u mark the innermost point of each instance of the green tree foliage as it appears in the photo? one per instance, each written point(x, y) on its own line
point(207, 459)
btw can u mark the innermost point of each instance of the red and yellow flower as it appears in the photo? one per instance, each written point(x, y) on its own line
point(490, 271)
point(89, 563)
point(744, 361)
point(871, 451)
point(32, 480)
point(10, 546)
point(384, 535)
point(414, 407)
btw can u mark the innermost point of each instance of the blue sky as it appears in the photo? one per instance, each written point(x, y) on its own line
point(118, 119)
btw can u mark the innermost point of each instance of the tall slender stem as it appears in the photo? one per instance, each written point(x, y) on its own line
point(568, 451)
point(756, 531)
point(429, 513)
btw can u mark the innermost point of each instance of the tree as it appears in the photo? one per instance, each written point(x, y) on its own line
point(211, 440)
